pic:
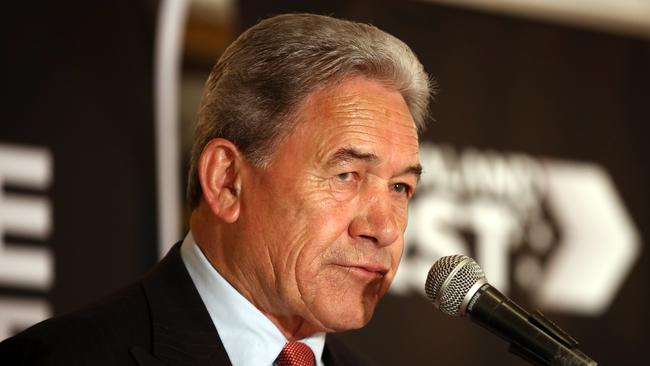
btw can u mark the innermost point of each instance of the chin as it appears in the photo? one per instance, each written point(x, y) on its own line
point(342, 316)
point(346, 305)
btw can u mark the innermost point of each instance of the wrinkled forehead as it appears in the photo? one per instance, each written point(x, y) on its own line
point(357, 112)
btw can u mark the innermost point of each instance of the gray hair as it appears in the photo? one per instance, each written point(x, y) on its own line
point(267, 71)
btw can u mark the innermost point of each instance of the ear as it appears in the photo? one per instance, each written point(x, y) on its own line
point(219, 174)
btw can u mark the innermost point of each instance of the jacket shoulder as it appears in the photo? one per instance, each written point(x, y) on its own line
point(98, 334)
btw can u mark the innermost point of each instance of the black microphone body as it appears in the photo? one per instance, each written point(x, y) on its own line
point(457, 286)
point(497, 313)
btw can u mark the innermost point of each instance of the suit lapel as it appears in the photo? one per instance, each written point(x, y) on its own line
point(182, 330)
point(144, 358)
point(336, 353)
point(330, 358)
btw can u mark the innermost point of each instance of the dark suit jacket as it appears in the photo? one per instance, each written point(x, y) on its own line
point(160, 320)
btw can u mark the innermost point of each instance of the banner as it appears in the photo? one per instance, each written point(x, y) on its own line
point(77, 184)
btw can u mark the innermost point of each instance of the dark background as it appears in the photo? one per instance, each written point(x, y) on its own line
point(78, 81)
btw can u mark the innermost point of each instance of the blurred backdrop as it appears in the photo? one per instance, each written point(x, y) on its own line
point(535, 159)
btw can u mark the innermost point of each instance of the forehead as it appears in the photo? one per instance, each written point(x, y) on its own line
point(358, 113)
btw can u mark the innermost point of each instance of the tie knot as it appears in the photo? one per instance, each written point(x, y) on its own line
point(295, 354)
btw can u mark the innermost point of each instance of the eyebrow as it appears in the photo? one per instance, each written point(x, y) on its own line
point(413, 169)
point(348, 154)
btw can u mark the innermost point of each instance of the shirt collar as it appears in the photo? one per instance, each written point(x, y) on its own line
point(248, 336)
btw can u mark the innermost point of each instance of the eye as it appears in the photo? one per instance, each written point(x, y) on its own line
point(344, 177)
point(401, 188)
point(346, 180)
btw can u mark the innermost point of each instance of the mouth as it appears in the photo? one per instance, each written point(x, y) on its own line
point(366, 271)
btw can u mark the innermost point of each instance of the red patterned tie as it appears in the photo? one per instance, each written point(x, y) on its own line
point(295, 354)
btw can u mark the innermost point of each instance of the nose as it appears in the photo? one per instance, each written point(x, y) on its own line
point(376, 221)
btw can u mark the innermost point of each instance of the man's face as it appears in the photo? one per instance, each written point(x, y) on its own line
point(325, 219)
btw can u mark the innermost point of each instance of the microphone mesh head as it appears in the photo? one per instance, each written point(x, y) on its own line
point(449, 280)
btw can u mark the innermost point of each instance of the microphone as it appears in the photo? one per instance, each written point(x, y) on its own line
point(457, 286)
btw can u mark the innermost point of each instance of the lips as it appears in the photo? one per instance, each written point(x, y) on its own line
point(371, 270)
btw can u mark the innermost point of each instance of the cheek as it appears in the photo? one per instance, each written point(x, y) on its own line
point(326, 215)
point(396, 250)
point(400, 211)
point(323, 234)
point(321, 223)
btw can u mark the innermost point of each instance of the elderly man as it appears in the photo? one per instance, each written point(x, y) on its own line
point(304, 161)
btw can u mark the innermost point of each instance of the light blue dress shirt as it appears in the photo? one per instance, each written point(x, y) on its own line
point(249, 337)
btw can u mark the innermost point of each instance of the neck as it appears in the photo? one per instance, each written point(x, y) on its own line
point(294, 327)
point(217, 242)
